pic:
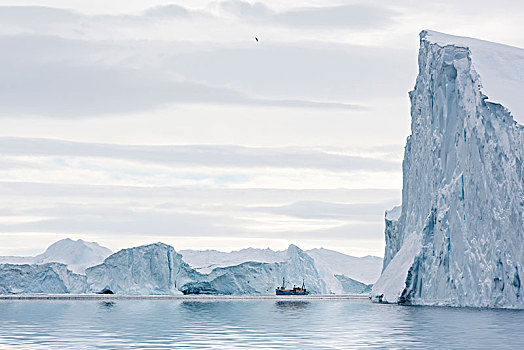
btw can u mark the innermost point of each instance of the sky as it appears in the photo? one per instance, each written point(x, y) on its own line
point(132, 122)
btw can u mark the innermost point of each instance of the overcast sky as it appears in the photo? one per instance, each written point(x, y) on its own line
point(131, 122)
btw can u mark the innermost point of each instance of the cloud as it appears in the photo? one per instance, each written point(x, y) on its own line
point(352, 16)
point(115, 221)
point(198, 155)
point(168, 11)
point(39, 192)
point(306, 70)
point(93, 74)
point(371, 230)
point(330, 210)
point(123, 213)
point(184, 220)
point(68, 82)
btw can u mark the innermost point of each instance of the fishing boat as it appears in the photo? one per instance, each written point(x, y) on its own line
point(295, 291)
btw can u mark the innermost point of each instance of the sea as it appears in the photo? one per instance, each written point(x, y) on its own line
point(252, 324)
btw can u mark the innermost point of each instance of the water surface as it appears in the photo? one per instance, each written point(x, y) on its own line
point(249, 324)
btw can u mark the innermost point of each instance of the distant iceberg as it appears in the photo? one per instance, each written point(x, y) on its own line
point(157, 269)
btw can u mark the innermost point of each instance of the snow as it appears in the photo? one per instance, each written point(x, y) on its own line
point(363, 269)
point(459, 238)
point(394, 214)
point(206, 260)
point(350, 286)
point(150, 269)
point(45, 278)
point(77, 255)
point(389, 287)
point(501, 69)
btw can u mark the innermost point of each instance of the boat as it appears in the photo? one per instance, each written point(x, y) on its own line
point(295, 291)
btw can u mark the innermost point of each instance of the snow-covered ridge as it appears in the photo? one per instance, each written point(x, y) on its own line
point(205, 261)
point(77, 255)
point(459, 239)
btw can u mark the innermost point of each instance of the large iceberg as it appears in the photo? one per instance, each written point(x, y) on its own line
point(458, 238)
point(150, 269)
point(45, 278)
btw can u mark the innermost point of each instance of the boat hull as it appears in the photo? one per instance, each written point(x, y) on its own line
point(289, 292)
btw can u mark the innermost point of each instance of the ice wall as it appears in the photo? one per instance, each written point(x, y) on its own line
point(459, 239)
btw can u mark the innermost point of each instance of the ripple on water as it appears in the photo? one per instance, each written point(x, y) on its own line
point(251, 324)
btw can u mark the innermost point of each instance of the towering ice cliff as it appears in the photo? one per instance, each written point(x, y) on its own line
point(459, 238)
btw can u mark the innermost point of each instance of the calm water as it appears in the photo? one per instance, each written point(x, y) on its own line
point(168, 324)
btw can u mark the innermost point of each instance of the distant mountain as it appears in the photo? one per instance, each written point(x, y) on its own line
point(365, 269)
point(205, 261)
point(77, 255)
point(350, 286)
point(328, 263)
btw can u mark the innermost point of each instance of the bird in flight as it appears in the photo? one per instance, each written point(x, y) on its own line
point(256, 39)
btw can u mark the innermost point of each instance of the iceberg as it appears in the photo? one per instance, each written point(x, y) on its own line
point(45, 278)
point(458, 238)
point(145, 270)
